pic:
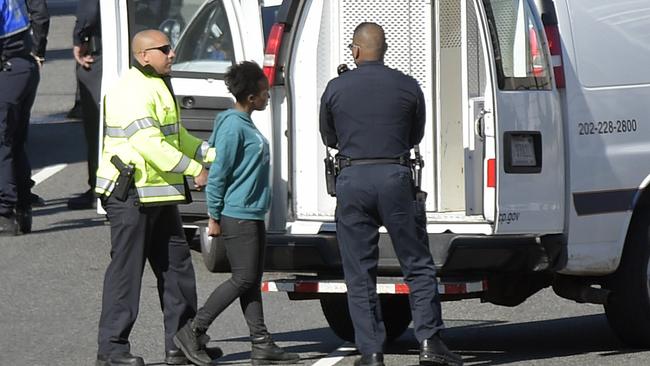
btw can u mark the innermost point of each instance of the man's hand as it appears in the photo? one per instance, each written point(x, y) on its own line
point(214, 229)
point(82, 57)
point(201, 180)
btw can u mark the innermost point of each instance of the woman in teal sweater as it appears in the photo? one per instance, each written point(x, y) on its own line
point(238, 196)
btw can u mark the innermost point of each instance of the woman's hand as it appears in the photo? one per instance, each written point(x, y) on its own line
point(214, 229)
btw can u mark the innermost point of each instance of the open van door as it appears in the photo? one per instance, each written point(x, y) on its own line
point(515, 118)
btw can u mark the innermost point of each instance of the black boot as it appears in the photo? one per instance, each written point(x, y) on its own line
point(24, 219)
point(434, 352)
point(187, 339)
point(83, 201)
point(265, 352)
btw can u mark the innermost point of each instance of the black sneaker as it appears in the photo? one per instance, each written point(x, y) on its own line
point(265, 352)
point(83, 201)
point(24, 219)
point(8, 226)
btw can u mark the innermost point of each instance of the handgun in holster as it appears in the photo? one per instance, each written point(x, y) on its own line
point(124, 181)
point(416, 168)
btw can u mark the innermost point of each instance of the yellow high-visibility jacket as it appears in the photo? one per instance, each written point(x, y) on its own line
point(142, 127)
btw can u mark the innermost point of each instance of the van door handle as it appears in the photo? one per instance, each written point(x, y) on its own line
point(478, 124)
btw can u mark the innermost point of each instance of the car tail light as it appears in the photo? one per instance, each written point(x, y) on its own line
point(272, 51)
point(553, 37)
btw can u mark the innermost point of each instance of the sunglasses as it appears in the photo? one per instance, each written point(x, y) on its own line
point(166, 49)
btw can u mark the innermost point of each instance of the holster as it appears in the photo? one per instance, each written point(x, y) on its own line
point(331, 172)
point(124, 181)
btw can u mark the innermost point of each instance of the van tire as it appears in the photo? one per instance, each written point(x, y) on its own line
point(395, 310)
point(628, 308)
point(213, 252)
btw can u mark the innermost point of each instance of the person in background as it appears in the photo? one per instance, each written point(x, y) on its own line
point(374, 115)
point(87, 52)
point(145, 140)
point(238, 196)
point(24, 26)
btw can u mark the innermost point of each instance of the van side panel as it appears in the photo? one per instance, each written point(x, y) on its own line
point(606, 109)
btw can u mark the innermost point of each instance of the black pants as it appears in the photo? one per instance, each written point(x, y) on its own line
point(369, 196)
point(245, 241)
point(138, 234)
point(17, 94)
point(89, 82)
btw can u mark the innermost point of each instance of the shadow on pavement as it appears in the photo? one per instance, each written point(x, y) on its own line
point(55, 143)
point(509, 343)
point(59, 54)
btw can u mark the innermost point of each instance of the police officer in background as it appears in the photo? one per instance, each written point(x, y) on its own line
point(374, 115)
point(144, 136)
point(21, 55)
point(87, 52)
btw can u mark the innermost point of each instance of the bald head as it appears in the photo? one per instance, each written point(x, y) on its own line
point(151, 47)
point(371, 41)
point(147, 39)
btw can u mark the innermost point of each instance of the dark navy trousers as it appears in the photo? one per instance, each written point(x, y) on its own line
point(139, 234)
point(369, 196)
point(17, 94)
point(89, 93)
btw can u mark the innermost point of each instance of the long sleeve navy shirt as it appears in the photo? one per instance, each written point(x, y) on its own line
point(88, 23)
point(372, 111)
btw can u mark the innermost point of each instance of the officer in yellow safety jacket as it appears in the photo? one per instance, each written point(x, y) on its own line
point(143, 130)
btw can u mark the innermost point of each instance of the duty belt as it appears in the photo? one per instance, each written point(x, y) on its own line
point(344, 162)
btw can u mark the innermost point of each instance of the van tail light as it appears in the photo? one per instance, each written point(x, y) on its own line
point(553, 37)
point(272, 51)
point(491, 173)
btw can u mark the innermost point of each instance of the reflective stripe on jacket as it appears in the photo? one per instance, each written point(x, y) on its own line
point(142, 128)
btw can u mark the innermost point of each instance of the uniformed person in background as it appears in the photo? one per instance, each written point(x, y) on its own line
point(143, 131)
point(87, 52)
point(374, 115)
point(21, 55)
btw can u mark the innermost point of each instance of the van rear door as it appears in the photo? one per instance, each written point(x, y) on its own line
point(521, 113)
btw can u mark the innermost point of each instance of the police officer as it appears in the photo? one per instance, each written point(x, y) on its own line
point(142, 130)
point(21, 54)
point(87, 51)
point(374, 115)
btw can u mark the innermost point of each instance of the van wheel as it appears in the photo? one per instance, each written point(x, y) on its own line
point(213, 252)
point(628, 308)
point(395, 310)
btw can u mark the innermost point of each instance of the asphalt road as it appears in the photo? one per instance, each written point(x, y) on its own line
point(51, 279)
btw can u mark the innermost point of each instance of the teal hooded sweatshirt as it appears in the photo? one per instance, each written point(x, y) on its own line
point(238, 181)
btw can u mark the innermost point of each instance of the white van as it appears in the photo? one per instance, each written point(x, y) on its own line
point(537, 152)
point(537, 149)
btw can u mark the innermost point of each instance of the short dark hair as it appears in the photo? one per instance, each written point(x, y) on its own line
point(243, 79)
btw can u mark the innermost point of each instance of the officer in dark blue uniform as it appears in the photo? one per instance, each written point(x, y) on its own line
point(87, 51)
point(21, 54)
point(374, 115)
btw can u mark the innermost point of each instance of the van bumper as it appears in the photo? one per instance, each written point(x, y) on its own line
point(452, 253)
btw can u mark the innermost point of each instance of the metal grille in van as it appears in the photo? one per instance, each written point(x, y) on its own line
point(403, 22)
point(449, 19)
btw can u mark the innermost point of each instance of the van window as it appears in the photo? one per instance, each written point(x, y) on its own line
point(520, 54)
point(170, 16)
point(269, 16)
point(206, 45)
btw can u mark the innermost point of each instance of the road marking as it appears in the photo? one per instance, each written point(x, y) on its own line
point(47, 172)
point(335, 357)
